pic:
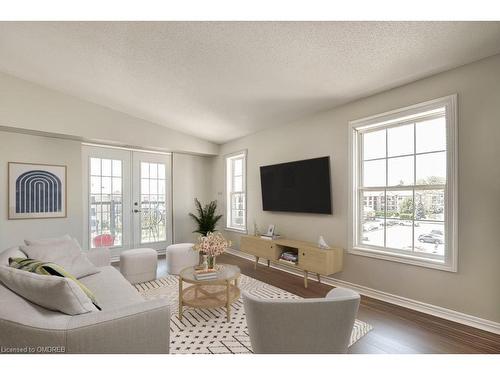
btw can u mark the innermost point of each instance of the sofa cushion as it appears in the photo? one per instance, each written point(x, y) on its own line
point(111, 289)
point(50, 269)
point(52, 292)
point(12, 252)
point(109, 286)
point(48, 241)
point(66, 253)
point(20, 311)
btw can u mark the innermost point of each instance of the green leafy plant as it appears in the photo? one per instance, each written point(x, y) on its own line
point(206, 219)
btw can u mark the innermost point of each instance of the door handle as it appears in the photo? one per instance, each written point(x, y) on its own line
point(136, 210)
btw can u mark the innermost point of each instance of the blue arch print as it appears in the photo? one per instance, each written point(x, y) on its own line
point(38, 191)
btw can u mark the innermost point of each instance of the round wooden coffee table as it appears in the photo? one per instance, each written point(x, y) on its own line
point(219, 292)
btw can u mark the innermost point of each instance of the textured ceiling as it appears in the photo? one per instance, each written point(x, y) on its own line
point(224, 80)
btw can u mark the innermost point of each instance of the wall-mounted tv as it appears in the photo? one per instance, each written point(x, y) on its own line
point(298, 186)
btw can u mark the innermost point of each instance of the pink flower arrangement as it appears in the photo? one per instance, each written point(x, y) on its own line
point(212, 244)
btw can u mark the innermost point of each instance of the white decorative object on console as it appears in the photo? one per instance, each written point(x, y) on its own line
point(322, 243)
point(270, 230)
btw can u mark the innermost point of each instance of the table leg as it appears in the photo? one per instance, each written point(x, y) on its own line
point(228, 303)
point(319, 278)
point(256, 262)
point(268, 263)
point(305, 278)
point(180, 299)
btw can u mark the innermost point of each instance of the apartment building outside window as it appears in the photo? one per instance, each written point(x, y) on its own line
point(403, 185)
point(236, 191)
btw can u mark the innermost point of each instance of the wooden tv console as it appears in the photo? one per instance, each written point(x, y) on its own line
point(310, 257)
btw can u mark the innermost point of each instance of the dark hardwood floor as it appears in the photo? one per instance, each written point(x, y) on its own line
point(395, 329)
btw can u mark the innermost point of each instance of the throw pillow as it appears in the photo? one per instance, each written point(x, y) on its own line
point(67, 254)
point(52, 292)
point(45, 268)
point(12, 252)
point(48, 241)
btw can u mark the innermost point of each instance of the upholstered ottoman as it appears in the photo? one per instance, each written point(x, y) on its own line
point(180, 256)
point(139, 265)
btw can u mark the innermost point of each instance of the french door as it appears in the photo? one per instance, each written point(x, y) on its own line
point(128, 198)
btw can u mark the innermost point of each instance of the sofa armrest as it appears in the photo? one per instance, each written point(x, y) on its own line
point(139, 328)
point(100, 256)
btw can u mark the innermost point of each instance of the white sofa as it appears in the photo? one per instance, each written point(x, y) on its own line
point(127, 323)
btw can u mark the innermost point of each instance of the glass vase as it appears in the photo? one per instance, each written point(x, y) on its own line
point(204, 262)
point(211, 261)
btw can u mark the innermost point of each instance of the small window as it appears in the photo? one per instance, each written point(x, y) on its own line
point(404, 187)
point(236, 191)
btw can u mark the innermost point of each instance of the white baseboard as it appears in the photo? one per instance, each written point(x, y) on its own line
point(441, 312)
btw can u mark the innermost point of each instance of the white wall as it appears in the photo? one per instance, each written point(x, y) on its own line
point(34, 149)
point(28, 106)
point(192, 178)
point(474, 289)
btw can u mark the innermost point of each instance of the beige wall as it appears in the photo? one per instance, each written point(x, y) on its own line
point(474, 289)
point(192, 179)
point(34, 149)
point(28, 106)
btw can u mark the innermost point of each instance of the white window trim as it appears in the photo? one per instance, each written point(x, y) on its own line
point(226, 193)
point(451, 202)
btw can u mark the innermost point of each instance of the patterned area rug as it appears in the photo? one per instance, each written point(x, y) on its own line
point(206, 331)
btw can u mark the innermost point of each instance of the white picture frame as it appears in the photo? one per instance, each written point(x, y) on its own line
point(36, 191)
point(270, 230)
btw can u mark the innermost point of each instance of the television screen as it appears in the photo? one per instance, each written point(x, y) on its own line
point(299, 186)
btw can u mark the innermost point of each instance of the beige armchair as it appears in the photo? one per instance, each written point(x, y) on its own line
point(311, 325)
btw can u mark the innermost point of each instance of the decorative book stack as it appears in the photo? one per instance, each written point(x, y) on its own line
point(209, 274)
point(289, 257)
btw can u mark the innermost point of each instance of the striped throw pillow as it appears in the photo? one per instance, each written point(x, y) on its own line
point(50, 269)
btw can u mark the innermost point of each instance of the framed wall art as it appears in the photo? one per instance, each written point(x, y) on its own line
point(36, 191)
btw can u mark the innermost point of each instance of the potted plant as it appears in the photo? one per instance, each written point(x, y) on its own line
point(211, 245)
point(206, 219)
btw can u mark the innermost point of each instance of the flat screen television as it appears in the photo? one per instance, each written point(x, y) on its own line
point(298, 186)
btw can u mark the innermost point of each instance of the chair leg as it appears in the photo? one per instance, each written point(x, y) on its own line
point(180, 299)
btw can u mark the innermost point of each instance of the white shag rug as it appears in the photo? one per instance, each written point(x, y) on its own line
point(206, 331)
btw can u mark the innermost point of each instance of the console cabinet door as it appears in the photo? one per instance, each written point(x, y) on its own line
point(314, 260)
point(258, 247)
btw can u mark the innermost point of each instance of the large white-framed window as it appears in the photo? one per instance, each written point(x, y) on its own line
point(236, 197)
point(403, 185)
